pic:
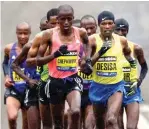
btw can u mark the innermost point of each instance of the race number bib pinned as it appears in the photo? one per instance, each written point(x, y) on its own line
point(106, 66)
point(86, 78)
point(68, 62)
point(16, 77)
point(126, 71)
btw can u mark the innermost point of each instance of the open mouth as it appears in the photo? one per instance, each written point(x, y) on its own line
point(107, 31)
point(66, 26)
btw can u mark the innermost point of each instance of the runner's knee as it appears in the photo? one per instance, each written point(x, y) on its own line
point(131, 126)
point(75, 112)
point(111, 120)
point(12, 116)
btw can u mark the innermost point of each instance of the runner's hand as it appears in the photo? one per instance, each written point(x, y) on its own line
point(87, 67)
point(32, 83)
point(133, 88)
point(8, 82)
point(61, 51)
point(105, 47)
point(133, 63)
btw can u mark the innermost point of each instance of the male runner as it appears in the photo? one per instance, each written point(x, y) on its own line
point(64, 83)
point(43, 23)
point(51, 23)
point(31, 76)
point(45, 112)
point(89, 23)
point(15, 86)
point(133, 97)
point(107, 88)
point(87, 116)
point(32, 93)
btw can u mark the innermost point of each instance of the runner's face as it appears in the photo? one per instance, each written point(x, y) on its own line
point(23, 34)
point(65, 20)
point(107, 27)
point(52, 22)
point(43, 26)
point(89, 25)
point(121, 31)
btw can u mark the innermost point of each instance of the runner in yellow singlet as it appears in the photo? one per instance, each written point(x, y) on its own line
point(133, 97)
point(106, 90)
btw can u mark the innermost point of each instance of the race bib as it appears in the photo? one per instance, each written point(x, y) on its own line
point(127, 71)
point(86, 79)
point(16, 77)
point(106, 66)
point(38, 69)
point(68, 62)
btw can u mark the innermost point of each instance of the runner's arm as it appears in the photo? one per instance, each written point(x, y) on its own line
point(6, 69)
point(6, 60)
point(141, 59)
point(86, 45)
point(31, 57)
point(46, 39)
point(20, 58)
point(127, 52)
point(95, 56)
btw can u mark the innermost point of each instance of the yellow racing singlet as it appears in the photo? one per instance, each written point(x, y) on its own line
point(130, 74)
point(108, 68)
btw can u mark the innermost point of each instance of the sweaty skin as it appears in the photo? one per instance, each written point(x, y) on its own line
point(31, 57)
point(45, 23)
point(124, 43)
point(66, 35)
point(46, 39)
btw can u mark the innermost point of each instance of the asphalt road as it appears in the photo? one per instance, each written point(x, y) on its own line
point(136, 13)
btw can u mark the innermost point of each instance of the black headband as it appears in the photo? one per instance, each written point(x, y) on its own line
point(105, 15)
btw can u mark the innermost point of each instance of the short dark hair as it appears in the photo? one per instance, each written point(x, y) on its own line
point(66, 6)
point(87, 17)
point(52, 12)
point(43, 20)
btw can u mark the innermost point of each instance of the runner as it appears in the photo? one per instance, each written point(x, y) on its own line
point(15, 86)
point(31, 77)
point(45, 112)
point(64, 83)
point(133, 97)
point(106, 90)
point(43, 24)
point(89, 23)
point(87, 116)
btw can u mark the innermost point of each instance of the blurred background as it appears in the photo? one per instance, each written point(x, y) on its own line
point(136, 13)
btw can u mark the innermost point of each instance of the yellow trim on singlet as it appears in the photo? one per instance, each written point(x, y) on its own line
point(108, 68)
point(130, 74)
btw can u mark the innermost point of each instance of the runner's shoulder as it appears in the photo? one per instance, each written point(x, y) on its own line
point(7, 48)
point(82, 31)
point(47, 34)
